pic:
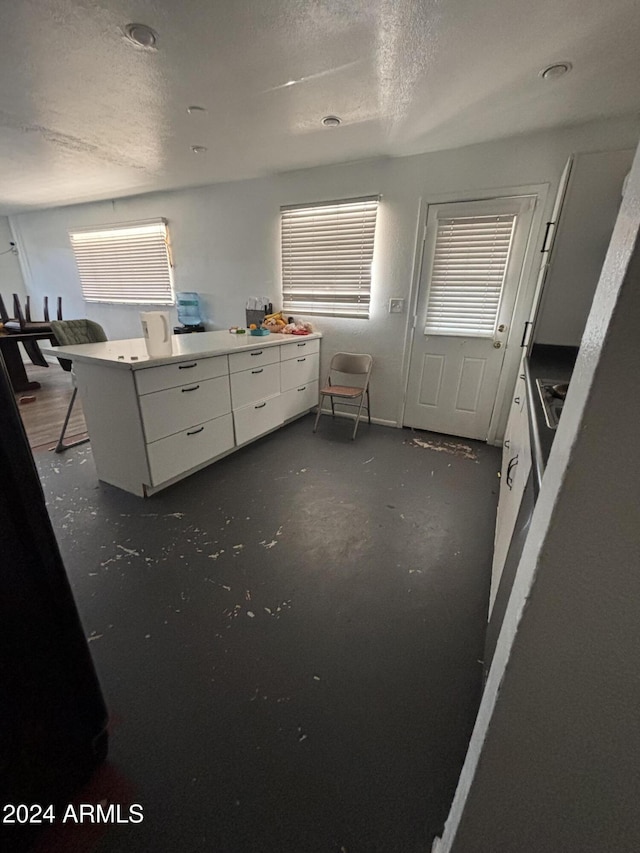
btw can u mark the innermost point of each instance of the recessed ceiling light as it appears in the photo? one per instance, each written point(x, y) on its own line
point(331, 121)
point(558, 69)
point(198, 149)
point(141, 35)
point(196, 109)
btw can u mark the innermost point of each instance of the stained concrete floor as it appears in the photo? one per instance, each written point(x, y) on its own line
point(289, 641)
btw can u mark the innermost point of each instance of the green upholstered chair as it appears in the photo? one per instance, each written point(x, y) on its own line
point(70, 333)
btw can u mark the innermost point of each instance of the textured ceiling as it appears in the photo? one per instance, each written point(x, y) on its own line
point(85, 115)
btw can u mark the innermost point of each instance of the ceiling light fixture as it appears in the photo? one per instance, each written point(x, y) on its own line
point(196, 109)
point(141, 35)
point(331, 121)
point(198, 149)
point(558, 69)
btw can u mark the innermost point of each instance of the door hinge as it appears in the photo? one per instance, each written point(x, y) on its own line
point(524, 342)
point(545, 248)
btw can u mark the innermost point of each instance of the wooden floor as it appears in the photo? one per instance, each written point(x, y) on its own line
point(43, 418)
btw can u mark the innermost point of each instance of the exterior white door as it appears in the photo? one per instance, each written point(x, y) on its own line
point(472, 264)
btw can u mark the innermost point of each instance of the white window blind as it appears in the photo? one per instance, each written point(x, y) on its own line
point(327, 253)
point(128, 263)
point(469, 268)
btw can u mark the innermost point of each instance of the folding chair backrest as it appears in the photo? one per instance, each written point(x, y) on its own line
point(350, 362)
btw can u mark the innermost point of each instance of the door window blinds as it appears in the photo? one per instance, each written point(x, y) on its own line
point(128, 263)
point(327, 253)
point(469, 268)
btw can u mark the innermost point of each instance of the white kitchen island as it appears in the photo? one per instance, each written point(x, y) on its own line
point(153, 421)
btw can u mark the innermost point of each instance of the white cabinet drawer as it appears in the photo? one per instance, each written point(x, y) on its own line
point(257, 357)
point(251, 386)
point(169, 457)
point(299, 400)
point(152, 379)
point(298, 371)
point(176, 409)
point(258, 418)
point(300, 347)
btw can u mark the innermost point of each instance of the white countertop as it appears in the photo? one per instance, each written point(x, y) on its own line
point(132, 354)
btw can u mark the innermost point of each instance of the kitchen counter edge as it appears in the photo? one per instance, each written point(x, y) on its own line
point(204, 347)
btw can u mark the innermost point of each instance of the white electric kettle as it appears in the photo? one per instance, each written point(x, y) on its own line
point(157, 333)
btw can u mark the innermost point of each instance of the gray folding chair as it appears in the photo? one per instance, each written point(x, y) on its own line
point(347, 364)
point(69, 333)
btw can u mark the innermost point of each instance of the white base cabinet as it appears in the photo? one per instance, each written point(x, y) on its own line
point(153, 424)
point(251, 386)
point(257, 418)
point(299, 400)
point(171, 456)
point(516, 465)
point(167, 412)
point(299, 370)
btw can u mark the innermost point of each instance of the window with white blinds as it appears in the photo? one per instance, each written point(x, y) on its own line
point(327, 254)
point(469, 269)
point(129, 263)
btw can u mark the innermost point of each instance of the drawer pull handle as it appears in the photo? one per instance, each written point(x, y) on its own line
point(187, 366)
point(302, 359)
point(304, 388)
point(507, 444)
point(195, 431)
point(257, 352)
point(260, 370)
point(516, 399)
point(260, 406)
point(193, 388)
point(301, 345)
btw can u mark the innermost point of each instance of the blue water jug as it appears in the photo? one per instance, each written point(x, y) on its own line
point(189, 308)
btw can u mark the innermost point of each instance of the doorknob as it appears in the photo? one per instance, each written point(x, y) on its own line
point(497, 344)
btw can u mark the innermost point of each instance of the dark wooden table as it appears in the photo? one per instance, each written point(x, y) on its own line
point(13, 359)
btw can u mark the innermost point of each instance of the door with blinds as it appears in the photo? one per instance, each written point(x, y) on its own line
point(471, 270)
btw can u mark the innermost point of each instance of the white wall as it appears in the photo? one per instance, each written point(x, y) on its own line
point(225, 237)
point(11, 280)
point(553, 761)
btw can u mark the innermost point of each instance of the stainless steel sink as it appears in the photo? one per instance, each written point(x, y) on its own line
point(551, 403)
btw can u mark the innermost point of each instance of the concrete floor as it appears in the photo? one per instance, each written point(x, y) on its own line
point(289, 641)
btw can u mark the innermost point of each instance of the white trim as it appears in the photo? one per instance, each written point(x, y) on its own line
point(414, 289)
point(363, 418)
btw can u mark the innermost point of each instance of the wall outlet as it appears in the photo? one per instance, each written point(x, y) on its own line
point(396, 306)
